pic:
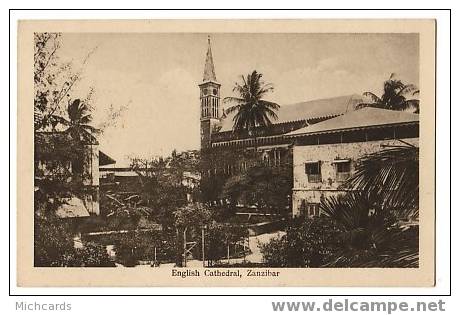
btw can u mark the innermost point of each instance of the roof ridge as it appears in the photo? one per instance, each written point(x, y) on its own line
point(349, 96)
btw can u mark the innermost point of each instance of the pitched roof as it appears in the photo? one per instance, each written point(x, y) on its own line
point(308, 110)
point(104, 159)
point(360, 118)
point(209, 72)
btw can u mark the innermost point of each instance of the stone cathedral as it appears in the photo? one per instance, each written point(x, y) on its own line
point(226, 152)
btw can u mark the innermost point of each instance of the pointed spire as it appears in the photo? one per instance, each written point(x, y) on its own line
point(209, 72)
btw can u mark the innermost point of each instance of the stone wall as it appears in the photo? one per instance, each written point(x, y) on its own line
point(326, 154)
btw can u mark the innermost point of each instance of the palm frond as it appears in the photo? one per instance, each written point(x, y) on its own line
point(266, 88)
point(415, 104)
point(349, 211)
point(251, 110)
point(392, 175)
point(60, 120)
point(374, 98)
point(85, 119)
point(269, 105)
point(73, 109)
point(232, 99)
point(407, 89)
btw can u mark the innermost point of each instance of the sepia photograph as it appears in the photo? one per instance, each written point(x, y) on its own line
point(229, 154)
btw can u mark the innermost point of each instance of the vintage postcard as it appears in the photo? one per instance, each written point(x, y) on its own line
point(226, 153)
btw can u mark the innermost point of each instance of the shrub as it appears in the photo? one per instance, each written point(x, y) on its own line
point(308, 243)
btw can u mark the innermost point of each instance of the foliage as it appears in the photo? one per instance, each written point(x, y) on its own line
point(54, 246)
point(54, 81)
point(370, 236)
point(395, 96)
point(391, 177)
point(223, 237)
point(380, 224)
point(135, 246)
point(250, 107)
point(274, 253)
point(258, 187)
point(92, 255)
point(192, 215)
point(307, 243)
point(78, 122)
point(161, 184)
point(55, 180)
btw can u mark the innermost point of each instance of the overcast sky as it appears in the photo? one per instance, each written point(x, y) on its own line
point(158, 75)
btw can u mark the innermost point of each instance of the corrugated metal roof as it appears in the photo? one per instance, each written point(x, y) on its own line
point(360, 118)
point(308, 110)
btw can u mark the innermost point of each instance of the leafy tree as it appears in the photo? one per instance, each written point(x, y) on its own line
point(265, 186)
point(307, 243)
point(251, 109)
point(396, 96)
point(223, 240)
point(135, 246)
point(189, 220)
point(54, 81)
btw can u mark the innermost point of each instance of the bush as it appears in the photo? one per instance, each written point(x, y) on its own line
point(135, 246)
point(307, 243)
point(219, 237)
point(53, 244)
point(92, 255)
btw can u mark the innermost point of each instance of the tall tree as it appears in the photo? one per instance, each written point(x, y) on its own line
point(396, 96)
point(78, 121)
point(251, 109)
point(54, 80)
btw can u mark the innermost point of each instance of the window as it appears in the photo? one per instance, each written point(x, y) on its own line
point(313, 209)
point(308, 209)
point(313, 171)
point(277, 155)
point(343, 168)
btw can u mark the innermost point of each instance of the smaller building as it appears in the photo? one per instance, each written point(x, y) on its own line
point(57, 159)
point(325, 154)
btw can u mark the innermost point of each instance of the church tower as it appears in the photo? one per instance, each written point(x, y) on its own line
point(209, 100)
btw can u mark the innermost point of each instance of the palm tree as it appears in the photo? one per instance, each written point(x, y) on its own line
point(252, 111)
point(77, 124)
point(396, 96)
point(391, 176)
point(377, 216)
point(371, 235)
